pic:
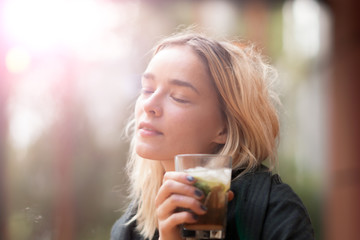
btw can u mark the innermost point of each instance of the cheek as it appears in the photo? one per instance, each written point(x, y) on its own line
point(192, 127)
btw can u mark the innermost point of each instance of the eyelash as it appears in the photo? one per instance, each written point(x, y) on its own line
point(180, 100)
point(147, 92)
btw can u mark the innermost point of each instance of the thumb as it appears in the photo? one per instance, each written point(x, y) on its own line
point(230, 195)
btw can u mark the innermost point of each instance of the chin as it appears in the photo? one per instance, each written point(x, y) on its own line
point(153, 155)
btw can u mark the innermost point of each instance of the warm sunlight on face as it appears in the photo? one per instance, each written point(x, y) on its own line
point(177, 111)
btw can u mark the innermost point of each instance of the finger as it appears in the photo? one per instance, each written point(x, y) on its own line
point(179, 177)
point(170, 187)
point(176, 219)
point(176, 201)
point(230, 195)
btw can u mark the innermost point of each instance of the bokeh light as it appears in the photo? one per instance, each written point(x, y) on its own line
point(17, 60)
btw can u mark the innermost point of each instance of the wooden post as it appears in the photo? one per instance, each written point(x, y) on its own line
point(342, 214)
point(4, 91)
point(256, 17)
point(3, 155)
point(64, 222)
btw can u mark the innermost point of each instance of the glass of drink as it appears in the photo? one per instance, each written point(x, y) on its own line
point(213, 175)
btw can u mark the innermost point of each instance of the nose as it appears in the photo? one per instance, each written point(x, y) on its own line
point(153, 106)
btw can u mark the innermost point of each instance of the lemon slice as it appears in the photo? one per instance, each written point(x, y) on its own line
point(208, 179)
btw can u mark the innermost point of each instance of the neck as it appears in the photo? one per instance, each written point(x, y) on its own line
point(168, 165)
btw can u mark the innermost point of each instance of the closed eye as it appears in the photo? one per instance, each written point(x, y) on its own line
point(145, 91)
point(180, 100)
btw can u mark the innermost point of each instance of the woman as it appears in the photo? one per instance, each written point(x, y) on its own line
point(200, 95)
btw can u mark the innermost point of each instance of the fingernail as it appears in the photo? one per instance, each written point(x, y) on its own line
point(190, 178)
point(203, 207)
point(198, 193)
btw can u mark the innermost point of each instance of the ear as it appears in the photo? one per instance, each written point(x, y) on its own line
point(221, 136)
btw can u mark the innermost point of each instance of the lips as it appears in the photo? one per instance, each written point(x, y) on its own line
point(147, 129)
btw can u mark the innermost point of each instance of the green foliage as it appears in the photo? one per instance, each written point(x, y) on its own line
point(309, 188)
point(93, 173)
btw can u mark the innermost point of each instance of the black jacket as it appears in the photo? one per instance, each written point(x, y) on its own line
point(263, 208)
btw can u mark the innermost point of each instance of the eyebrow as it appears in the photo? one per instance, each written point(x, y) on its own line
point(176, 82)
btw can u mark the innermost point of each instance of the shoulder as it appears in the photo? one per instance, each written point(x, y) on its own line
point(252, 183)
point(282, 193)
point(286, 215)
point(123, 229)
point(247, 211)
point(266, 208)
point(117, 228)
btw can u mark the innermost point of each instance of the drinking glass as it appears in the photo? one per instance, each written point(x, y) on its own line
point(213, 176)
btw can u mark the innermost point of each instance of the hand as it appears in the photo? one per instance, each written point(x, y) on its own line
point(177, 192)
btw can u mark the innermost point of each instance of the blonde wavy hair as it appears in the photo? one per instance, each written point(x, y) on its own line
point(243, 81)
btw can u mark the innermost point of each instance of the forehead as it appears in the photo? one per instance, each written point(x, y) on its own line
point(178, 53)
point(182, 63)
point(178, 59)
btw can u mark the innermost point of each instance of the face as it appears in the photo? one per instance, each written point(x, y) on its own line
point(177, 111)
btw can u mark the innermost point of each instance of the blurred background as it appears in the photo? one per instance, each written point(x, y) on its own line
point(69, 74)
